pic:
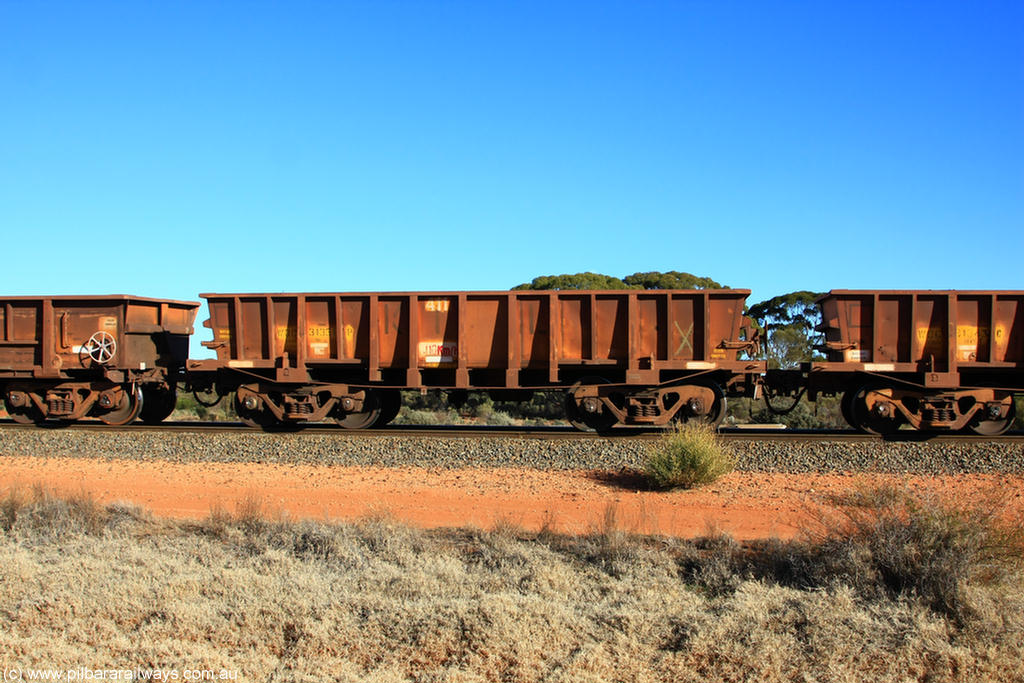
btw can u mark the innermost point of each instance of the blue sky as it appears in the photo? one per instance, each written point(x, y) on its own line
point(168, 149)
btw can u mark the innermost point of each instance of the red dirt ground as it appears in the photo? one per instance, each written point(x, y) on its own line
point(746, 505)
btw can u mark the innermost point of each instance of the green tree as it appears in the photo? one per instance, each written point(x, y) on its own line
point(576, 281)
point(789, 325)
point(673, 279)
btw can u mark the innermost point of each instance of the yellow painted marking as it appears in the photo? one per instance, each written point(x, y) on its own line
point(970, 340)
point(350, 341)
point(967, 335)
point(930, 336)
point(318, 338)
point(437, 305)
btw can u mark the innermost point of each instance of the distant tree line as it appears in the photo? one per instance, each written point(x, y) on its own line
point(673, 279)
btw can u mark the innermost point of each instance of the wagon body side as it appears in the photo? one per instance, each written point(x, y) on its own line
point(347, 343)
point(935, 360)
point(67, 357)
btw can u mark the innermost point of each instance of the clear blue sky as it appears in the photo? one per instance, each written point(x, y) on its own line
point(167, 149)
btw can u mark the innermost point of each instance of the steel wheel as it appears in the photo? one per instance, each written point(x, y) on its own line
point(25, 415)
point(255, 417)
point(846, 407)
point(698, 412)
point(870, 411)
point(390, 404)
point(157, 403)
point(24, 418)
point(994, 427)
point(600, 420)
point(366, 418)
point(126, 410)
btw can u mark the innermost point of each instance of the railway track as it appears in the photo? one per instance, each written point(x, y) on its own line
point(543, 433)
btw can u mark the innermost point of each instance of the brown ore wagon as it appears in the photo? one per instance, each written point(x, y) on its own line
point(114, 357)
point(642, 357)
point(933, 360)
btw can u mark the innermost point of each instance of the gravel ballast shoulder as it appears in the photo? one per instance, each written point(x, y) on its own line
point(505, 451)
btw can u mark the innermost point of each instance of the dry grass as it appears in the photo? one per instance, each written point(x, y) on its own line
point(688, 456)
point(50, 513)
point(887, 540)
point(82, 584)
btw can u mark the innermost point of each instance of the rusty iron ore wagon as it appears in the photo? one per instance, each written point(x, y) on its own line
point(932, 360)
point(640, 357)
point(114, 357)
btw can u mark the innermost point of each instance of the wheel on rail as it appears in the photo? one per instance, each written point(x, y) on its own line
point(873, 410)
point(705, 405)
point(253, 414)
point(984, 425)
point(363, 419)
point(23, 414)
point(846, 407)
point(129, 403)
point(390, 404)
point(590, 414)
point(158, 403)
point(25, 417)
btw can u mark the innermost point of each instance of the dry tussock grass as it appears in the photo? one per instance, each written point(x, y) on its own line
point(83, 584)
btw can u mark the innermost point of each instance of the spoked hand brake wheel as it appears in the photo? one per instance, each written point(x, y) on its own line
point(100, 348)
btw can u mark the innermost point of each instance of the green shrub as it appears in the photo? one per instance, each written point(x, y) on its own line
point(413, 416)
point(689, 456)
point(500, 419)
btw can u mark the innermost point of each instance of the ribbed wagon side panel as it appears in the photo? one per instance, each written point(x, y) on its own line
point(45, 336)
point(1008, 340)
point(534, 330)
point(933, 331)
point(439, 338)
point(20, 334)
point(487, 332)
